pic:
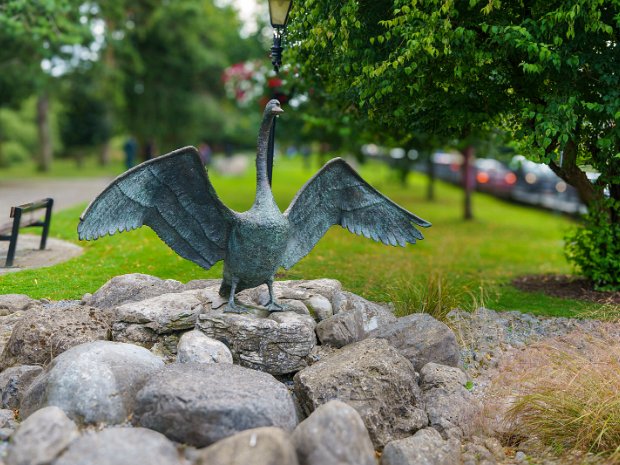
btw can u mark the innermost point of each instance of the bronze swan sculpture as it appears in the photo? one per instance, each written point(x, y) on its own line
point(172, 194)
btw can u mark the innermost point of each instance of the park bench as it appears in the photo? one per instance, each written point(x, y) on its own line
point(10, 231)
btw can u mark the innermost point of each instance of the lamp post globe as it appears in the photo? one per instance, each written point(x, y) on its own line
point(278, 16)
point(278, 12)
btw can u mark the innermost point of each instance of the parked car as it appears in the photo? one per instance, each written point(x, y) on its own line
point(448, 166)
point(494, 177)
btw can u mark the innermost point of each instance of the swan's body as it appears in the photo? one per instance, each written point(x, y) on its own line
point(173, 195)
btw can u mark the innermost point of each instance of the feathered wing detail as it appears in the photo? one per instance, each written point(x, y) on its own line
point(171, 194)
point(338, 195)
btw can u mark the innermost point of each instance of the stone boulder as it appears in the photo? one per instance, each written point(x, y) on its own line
point(259, 446)
point(374, 379)
point(43, 333)
point(148, 321)
point(277, 343)
point(342, 329)
point(131, 288)
point(334, 434)
point(373, 314)
point(200, 404)
point(320, 307)
point(93, 383)
point(11, 303)
point(451, 408)
point(41, 438)
point(195, 346)
point(301, 290)
point(426, 447)
point(422, 339)
point(14, 381)
point(8, 424)
point(121, 446)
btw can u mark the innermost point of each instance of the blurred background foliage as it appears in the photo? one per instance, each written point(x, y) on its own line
point(76, 74)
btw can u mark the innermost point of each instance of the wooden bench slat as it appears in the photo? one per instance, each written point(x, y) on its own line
point(16, 214)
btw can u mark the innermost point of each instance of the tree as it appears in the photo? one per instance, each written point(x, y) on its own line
point(170, 57)
point(545, 71)
point(38, 40)
point(355, 55)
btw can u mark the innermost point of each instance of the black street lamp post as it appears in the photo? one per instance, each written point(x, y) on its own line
point(278, 15)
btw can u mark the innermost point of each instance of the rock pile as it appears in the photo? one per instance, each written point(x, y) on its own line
point(153, 371)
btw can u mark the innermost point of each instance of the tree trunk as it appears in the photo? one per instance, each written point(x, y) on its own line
point(468, 181)
point(614, 193)
point(104, 154)
point(44, 159)
point(430, 171)
point(573, 175)
point(2, 160)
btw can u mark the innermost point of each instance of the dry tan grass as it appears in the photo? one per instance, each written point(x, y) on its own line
point(563, 393)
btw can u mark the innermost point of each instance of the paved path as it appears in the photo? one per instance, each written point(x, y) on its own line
point(66, 193)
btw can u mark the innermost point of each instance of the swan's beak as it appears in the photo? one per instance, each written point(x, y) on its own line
point(277, 110)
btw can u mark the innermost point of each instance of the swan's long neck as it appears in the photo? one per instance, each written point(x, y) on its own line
point(263, 189)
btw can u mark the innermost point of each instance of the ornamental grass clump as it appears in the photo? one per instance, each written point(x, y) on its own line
point(571, 403)
point(435, 296)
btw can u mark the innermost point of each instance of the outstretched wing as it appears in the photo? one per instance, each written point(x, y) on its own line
point(338, 195)
point(173, 195)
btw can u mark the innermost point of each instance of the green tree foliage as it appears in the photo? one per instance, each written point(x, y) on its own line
point(37, 41)
point(547, 72)
point(170, 56)
point(83, 122)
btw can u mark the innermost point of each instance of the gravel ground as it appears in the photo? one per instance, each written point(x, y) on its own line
point(491, 340)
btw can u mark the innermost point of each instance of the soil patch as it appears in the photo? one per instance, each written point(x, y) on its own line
point(566, 287)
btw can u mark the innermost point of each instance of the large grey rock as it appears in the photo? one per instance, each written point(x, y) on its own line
point(374, 315)
point(195, 346)
point(7, 323)
point(121, 446)
point(320, 306)
point(43, 333)
point(451, 408)
point(277, 343)
point(14, 381)
point(7, 419)
point(93, 383)
point(145, 321)
point(163, 314)
point(259, 446)
point(41, 438)
point(342, 329)
point(426, 447)
point(374, 379)
point(422, 339)
point(131, 288)
point(334, 434)
point(200, 284)
point(199, 404)
point(302, 290)
point(11, 303)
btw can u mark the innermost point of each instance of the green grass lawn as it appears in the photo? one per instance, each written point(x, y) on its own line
point(473, 261)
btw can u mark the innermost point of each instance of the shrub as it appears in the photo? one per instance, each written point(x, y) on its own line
point(595, 247)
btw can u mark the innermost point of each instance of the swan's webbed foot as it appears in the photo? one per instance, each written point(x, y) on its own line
point(231, 307)
point(274, 307)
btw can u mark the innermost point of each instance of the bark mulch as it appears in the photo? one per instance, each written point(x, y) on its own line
point(566, 287)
